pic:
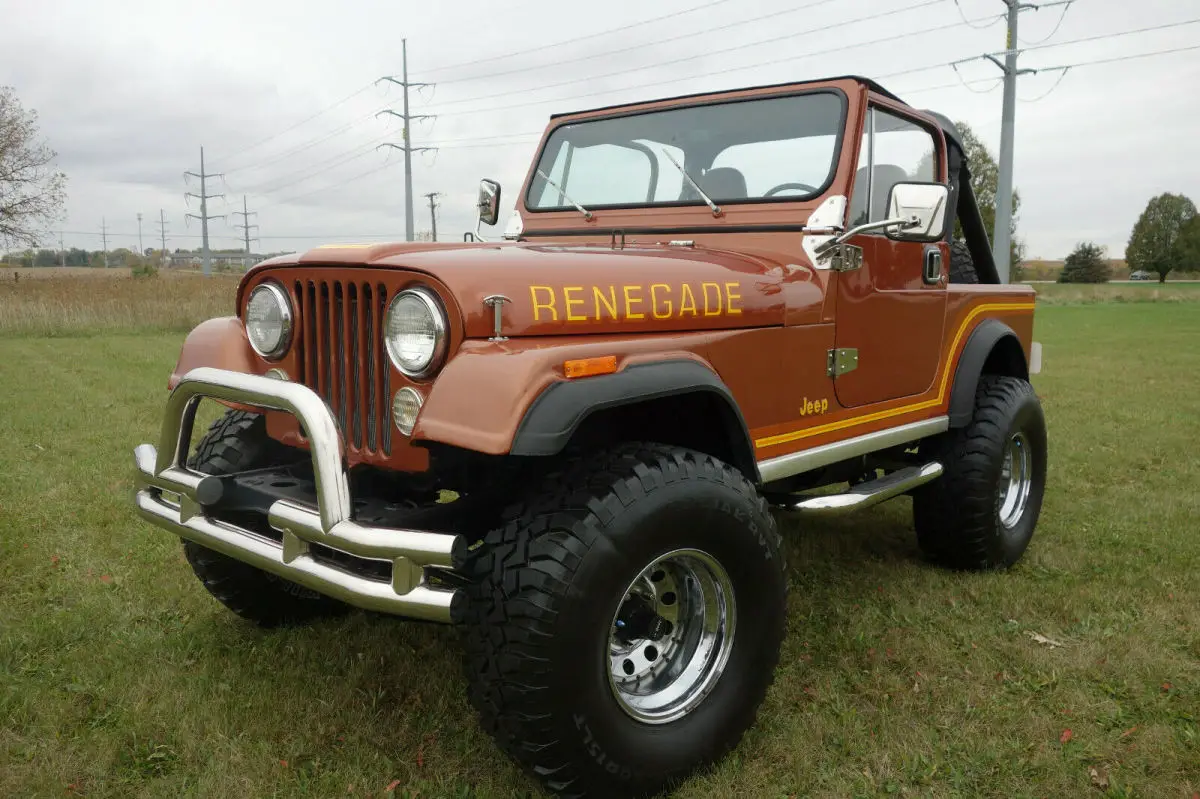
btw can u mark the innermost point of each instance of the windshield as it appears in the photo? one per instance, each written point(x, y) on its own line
point(782, 148)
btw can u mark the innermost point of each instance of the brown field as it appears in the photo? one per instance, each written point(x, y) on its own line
point(87, 301)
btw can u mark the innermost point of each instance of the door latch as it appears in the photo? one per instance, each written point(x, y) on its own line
point(841, 360)
point(933, 266)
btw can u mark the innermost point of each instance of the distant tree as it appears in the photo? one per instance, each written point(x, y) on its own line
point(77, 257)
point(32, 192)
point(1086, 264)
point(1188, 246)
point(46, 258)
point(1154, 244)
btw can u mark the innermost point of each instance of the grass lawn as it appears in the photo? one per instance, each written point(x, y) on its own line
point(120, 677)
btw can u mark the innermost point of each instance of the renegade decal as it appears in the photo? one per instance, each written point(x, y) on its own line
point(635, 302)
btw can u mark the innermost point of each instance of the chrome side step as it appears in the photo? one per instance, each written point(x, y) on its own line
point(864, 495)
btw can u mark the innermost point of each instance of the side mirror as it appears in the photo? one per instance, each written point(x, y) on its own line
point(489, 201)
point(923, 202)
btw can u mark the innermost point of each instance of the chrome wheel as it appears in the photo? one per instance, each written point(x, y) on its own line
point(1016, 480)
point(671, 636)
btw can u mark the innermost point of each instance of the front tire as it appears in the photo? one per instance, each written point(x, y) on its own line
point(982, 513)
point(236, 442)
point(625, 566)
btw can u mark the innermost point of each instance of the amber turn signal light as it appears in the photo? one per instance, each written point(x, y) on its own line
point(586, 367)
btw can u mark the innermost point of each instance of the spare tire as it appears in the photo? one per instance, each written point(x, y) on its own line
point(962, 266)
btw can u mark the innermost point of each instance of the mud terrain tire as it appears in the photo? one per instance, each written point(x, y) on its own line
point(236, 442)
point(548, 590)
point(975, 516)
point(962, 265)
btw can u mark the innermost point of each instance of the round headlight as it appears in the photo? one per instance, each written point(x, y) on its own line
point(269, 320)
point(415, 332)
point(405, 407)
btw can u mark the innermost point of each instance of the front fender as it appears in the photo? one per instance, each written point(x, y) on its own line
point(220, 343)
point(482, 396)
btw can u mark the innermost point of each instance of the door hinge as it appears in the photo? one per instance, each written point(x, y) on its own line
point(840, 257)
point(840, 361)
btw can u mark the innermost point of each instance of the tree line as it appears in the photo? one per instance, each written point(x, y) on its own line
point(1165, 239)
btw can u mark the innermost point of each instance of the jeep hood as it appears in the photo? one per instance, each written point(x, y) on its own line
point(559, 290)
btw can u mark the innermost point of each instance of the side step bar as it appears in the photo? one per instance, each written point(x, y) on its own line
point(864, 495)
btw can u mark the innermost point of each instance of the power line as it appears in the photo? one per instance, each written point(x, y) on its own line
point(333, 163)
point(1057, 25)
point(970, 23)
point(729, 70)
point(695, 57)
point(304, 121)
point(1061, 75)
point(586, 37)
point(658, 42)
point(304, 145)
point(1096, 38)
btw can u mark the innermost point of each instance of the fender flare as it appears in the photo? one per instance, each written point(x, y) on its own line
point(984, 339)
point(558, 411)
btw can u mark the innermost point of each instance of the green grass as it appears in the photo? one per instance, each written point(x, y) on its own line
point(120, 677)
point(1091, 293)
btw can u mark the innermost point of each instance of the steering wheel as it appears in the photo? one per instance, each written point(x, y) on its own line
point(785, 186)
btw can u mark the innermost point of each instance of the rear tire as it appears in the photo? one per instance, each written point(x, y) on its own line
point(568, 596)
point(236, 442)
point(982, 513)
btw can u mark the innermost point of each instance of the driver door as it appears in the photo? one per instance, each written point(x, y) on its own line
point(891, 310)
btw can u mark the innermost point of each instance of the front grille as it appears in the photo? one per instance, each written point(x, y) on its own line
point(338, 338)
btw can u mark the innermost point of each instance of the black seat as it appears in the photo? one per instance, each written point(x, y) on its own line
point(886, 176)
point(723, 183)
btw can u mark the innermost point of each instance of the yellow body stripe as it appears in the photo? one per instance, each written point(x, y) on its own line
point(807, 432)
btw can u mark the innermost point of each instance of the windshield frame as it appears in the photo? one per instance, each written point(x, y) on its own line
point(575, 119)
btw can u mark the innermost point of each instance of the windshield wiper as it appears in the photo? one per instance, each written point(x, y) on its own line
point(716, 209)
point(586, 213)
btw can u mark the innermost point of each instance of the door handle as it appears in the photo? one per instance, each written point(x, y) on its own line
point(933, 266)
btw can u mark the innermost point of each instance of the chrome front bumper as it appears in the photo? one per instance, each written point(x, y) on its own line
point(410, 552)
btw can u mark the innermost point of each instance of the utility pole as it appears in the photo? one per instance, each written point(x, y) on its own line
point(246, 226)
point(433, 195)
point(203, 216)
point(104, 239)
point(141, 249)
point(407, 147)
point(62, 250)
point(162, 231)
point(1002, 246)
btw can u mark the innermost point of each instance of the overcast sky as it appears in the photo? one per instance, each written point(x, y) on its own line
point(128, 91)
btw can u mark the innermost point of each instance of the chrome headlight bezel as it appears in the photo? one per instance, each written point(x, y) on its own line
point(284, 304)
point(433, 307)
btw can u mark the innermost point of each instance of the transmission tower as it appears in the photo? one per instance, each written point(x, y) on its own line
point(162, 232)
point(1001, 247)
point(245, 228)
point(203, 216)
point(433, 195)
point(104, 239)
point(406, 147)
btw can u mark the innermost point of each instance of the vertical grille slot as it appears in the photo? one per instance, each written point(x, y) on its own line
point(385, 405)
point(340, 355)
